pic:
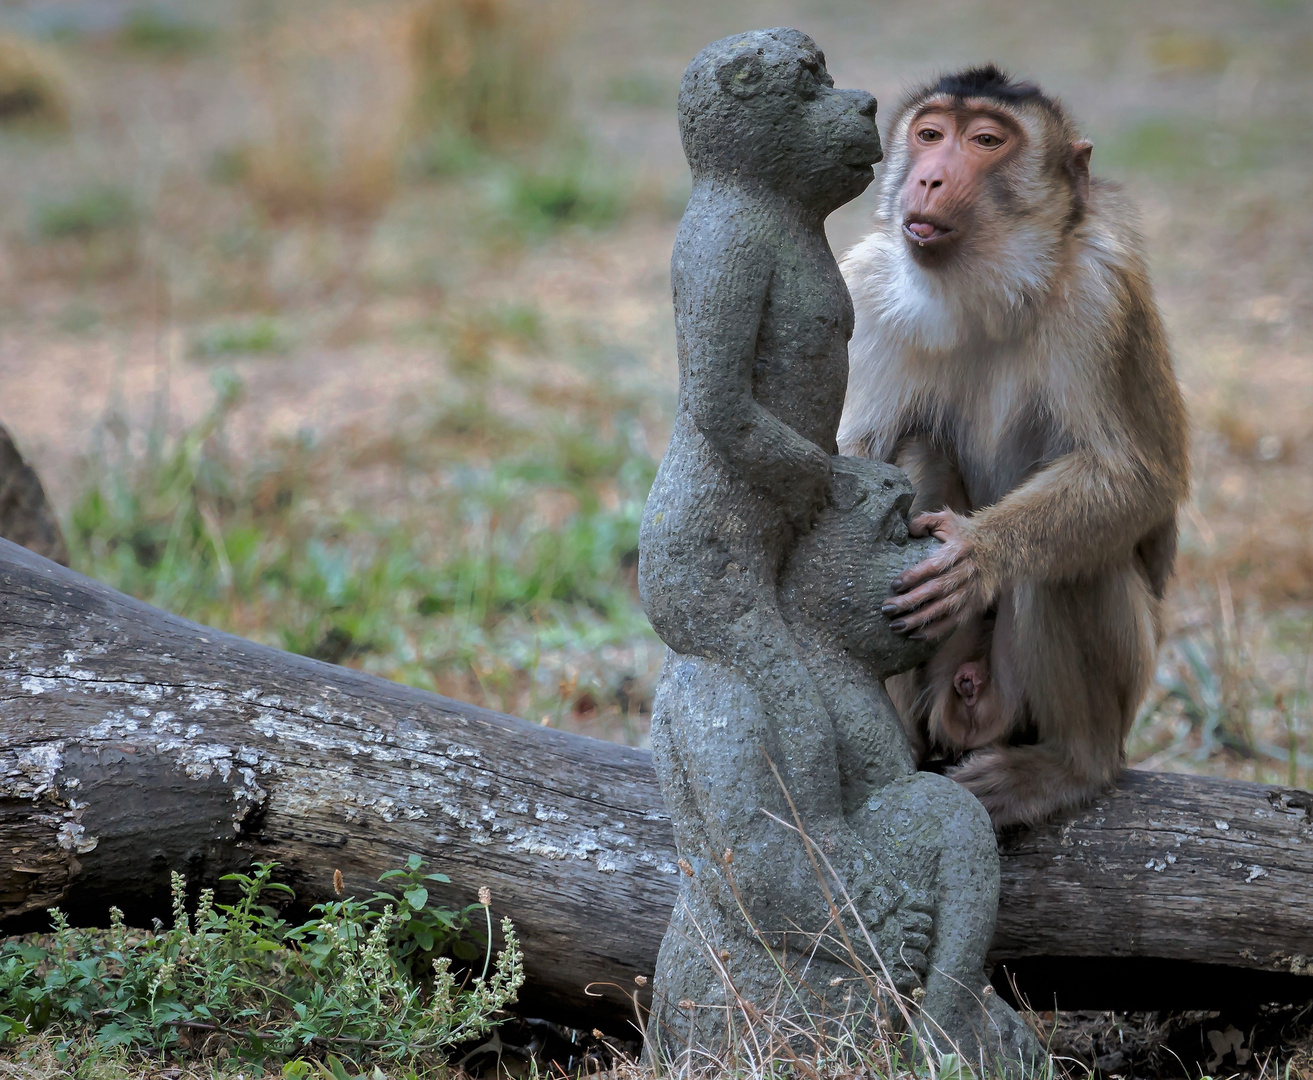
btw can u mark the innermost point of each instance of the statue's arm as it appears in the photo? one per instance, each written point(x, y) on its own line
point(727, 283)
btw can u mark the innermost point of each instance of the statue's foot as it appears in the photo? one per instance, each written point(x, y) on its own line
point(987, 1032)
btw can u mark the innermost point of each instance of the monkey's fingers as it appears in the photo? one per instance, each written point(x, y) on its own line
point(927, 569)
point(932, 621)
point(937, 631)
point(909, 607)
point(925, 524)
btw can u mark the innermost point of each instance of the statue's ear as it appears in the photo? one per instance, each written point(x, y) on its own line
point(743, 75)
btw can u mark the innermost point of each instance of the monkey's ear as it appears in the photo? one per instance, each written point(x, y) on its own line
point(742, 76)
point(1078, 167)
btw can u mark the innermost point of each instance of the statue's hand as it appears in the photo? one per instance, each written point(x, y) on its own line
point(808, 489)
point(902, 937)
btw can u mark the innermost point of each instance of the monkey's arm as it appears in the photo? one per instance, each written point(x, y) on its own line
point(720, 329)
point(1125, 476)
point(1082, 511)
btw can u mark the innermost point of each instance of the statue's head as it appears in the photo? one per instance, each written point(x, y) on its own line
point(761, 108)
point(840, 573)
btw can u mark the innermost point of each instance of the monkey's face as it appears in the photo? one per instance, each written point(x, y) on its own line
point(762, 107)
point(839, 573)
point(955, 157)
point(984, 177)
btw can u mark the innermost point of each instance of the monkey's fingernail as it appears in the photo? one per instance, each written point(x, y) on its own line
point(898, 626)
point(898, 585)
point(918, 636)
point(889, 608)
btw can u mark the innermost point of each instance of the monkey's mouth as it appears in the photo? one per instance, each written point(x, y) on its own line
point(926, 233)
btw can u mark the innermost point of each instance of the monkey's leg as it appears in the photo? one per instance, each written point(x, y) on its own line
point(1082, 655)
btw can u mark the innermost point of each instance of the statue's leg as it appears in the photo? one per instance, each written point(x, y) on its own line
point(718, 727)
point(944, 843)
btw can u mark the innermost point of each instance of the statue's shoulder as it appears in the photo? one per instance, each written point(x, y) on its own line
point(724, 230)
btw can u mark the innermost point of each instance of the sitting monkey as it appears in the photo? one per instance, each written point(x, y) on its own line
point(1009, 355)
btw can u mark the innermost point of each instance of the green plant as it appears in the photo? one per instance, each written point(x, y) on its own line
point(562, 197)
point(259, 335)
point(93, 210)
point(532, 201)
point(424, 931)
point(506, 584)
point(237, 972)
point(643, 90)
point(162, 32)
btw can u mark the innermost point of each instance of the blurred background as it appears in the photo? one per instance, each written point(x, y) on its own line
point(345, 326)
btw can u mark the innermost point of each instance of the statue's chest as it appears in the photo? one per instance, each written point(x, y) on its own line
point(807, 319)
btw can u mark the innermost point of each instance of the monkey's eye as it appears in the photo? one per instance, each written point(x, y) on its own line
point(929, 135)
point(989, 140)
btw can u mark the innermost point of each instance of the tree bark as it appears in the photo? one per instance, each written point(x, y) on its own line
point(136, 743)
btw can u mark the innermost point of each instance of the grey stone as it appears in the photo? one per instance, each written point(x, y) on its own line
point(763, 561)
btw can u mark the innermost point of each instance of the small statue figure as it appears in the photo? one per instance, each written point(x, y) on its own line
point(764, 561)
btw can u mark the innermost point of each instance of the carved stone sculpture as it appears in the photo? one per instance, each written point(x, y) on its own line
point(763, 563)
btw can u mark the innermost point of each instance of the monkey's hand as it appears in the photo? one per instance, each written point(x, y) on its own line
point(937, 595)
point(902, 937)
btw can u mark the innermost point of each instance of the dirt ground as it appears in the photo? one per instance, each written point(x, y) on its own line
point(1200, 109)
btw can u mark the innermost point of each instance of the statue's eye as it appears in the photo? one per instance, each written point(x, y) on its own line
point(809, 78)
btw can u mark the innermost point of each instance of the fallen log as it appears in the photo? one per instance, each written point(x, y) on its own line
point(136, 742)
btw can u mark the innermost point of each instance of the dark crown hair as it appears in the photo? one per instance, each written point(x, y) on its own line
point(990, 81)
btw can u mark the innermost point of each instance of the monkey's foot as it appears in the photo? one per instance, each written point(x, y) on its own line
point(1025, 785)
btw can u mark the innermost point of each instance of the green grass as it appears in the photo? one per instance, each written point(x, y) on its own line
point(160, 32)
point(241, 338)
point(363, 981)
point(532, 201)
point(92, 210)
point(505, 584)
point(1190, 148)
point(642, 90)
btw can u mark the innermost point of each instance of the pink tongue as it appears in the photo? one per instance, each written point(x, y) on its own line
point(923, 229)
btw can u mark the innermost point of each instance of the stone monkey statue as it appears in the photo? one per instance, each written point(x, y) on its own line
point(762, 320)
point(778, 644)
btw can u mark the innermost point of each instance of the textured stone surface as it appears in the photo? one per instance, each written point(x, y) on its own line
point(25, 515)
point(763, 563)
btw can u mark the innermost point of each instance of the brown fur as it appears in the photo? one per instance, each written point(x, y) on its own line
point(1024, 382)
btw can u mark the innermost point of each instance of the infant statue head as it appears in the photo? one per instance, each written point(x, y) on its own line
point(838, 574)
point(760, 109)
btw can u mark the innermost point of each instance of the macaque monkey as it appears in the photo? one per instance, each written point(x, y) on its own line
point(1008, 354)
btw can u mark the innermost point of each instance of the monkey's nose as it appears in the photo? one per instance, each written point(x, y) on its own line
point(932, 184)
